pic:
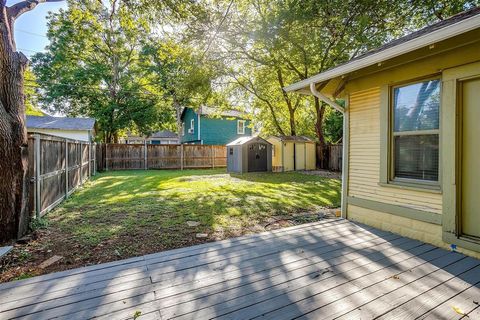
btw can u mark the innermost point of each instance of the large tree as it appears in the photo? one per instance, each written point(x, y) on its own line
point(178, 71)
point(270, 44)
point(91, 67)
point(13, 134)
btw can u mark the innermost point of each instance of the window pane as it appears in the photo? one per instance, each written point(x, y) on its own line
point(416, 157)
point(416, 106)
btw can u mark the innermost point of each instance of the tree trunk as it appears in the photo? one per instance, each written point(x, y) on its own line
point(320, 110)
point(293, 129)
point(13, 135)
point(178, 113)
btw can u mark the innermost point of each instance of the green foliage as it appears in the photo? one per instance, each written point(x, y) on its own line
point(40, 223)
point(31, 101)
point(269, 44)
point(91, 68)
point(179, 73)
point(332, 126)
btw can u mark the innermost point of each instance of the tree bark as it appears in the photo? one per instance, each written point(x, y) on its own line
point(320, 111)
point(178, 113)
point(13, 135)
point(14, 212)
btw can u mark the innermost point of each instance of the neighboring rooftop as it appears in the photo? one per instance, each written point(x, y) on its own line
point(59, 123)
point(164, 134)
point(445, 29)
point(209, 111)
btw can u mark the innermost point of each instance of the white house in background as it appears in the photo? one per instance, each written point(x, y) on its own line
point(81, 129)
point(159, 137)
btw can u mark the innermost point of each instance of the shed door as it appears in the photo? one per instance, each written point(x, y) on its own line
point(257, 157)
point(470, 159)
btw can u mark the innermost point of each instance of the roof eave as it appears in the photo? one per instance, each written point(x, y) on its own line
point(389, 53)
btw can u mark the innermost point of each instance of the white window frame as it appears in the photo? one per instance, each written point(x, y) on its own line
point(183, 128)
point(243, 126)
point(392, 179)
point(192, 124)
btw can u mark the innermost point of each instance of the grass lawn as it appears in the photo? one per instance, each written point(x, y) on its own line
point(128, 213)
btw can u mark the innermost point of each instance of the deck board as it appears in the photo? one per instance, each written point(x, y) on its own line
point(323, 270)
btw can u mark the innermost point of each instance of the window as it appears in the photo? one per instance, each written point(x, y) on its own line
point(192, 124)
point(415, 131)
point(231, 151)
point(240, 126)
point(183, 128)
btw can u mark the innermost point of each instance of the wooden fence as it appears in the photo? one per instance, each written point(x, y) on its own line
point(114, 156)
point(57, 167)
point(332, 155)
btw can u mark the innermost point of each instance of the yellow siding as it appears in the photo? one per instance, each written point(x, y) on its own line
point(423, 231)
point(276, 154)
point(311, 156)
point(305, 155)
point(288, 157)
point(364, 158)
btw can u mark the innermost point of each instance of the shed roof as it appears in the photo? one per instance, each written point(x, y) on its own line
point(445, 29)
point(244, 140)
point(293, 138)
point(59, 123)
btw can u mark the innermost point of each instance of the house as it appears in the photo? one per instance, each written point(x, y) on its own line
point(412, 133)
point(290, 153)
point(212, 127)
point(159, 137)
point(249, 154)
point(81, 129)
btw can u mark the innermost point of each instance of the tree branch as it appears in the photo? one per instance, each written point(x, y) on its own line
point(20, 8)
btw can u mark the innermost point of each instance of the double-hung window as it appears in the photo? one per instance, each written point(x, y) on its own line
point(414, 152)
point(240, 126)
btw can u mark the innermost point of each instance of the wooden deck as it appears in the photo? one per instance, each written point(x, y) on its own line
point(333, 269)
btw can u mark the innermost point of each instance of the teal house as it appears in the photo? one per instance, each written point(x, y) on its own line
point(212, 127)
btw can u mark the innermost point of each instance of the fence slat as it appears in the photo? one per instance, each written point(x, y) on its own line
point(58, 167)
point(163, 156)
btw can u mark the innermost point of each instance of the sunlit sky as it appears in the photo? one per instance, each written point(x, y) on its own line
point(31, 27)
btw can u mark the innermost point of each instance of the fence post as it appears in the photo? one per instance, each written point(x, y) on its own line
point(90, 159)
point(81, 162)
point(145, 154)
point(181, 156)
point(213, 157)
point(38, 202)
point(66, 168)
point(95, 158)
point(106, 159)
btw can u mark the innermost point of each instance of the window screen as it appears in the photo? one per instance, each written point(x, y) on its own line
point(416, 130)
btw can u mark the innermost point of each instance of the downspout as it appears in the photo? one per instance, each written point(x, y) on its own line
point(324, 98)
point(345, 139)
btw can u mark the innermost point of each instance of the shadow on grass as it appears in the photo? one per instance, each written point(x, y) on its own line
point(154, 206)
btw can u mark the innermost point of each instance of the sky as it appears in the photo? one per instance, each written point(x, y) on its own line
point(31, 27)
